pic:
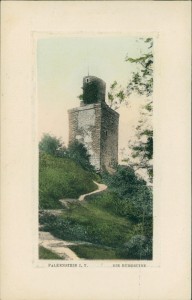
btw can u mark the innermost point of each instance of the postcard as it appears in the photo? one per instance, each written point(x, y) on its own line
point(95, 150)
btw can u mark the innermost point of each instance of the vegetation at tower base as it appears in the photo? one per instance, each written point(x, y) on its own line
point(117, 222)
point(141, 83)
point(61, 174)
point(79, 154)
point(76, 151)
point(51, 145)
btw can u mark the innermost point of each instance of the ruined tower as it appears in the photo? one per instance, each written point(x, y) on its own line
point(95, 125)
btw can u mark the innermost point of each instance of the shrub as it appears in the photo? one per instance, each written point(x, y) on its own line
point(78, 152)
point(51, 145)
point(133, 196)
point(138, 247)
point(64, 228)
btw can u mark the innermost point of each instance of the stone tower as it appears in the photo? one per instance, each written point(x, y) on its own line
point(95, 125)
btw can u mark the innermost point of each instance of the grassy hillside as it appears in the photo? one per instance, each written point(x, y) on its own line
point(117, 223)
point(111, 235)
point(62, 178)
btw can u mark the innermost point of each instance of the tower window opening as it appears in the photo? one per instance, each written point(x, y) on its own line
point(87, 80)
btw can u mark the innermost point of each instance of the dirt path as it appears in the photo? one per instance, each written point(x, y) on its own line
point(101, 187)
point(60, 247)
point(48, 241)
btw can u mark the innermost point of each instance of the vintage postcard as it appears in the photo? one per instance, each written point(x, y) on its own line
point(95, 97)
point(95, 150)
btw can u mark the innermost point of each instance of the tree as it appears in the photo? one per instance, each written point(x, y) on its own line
point(133, 199)
point(141, 83)
point(52, 145)
point(78, 152)
point(117, 95)
point(142, 147)
point(142, 80)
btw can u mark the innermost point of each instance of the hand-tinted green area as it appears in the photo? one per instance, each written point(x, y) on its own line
point(47, 254)
point(119, 219)
point(117, 222)
point(61, 178)
point(94, 252)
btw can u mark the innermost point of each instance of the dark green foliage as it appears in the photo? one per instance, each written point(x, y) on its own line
point(145, 149)
point(64, 228)
point(138, 247)
point(79, 154)
point(61, 178)
point(131, 190)
point(80, 97)
point(134, 201)
point(142, 146)
point(75, 151)
point(51, 145)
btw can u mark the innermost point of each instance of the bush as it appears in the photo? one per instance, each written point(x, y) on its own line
point(134, 197)
point(51, 145)
point(78, 152)
point(64, 228)
point(138, 247)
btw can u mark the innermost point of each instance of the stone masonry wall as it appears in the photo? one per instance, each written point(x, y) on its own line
point(96, 126)
point(109, 138)
point(85, 126)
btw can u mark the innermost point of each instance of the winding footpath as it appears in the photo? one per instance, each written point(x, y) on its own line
point(101, 187)
point(48, 241)
point(58, 246)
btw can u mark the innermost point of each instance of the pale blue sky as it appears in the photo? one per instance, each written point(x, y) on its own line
point(61, 65)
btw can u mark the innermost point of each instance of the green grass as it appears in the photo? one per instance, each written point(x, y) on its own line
point(61, 178)
point(86, 222)
point(109, 220)
point(47, 254)
point(94, 252)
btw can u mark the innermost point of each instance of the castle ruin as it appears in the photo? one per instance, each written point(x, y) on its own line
point(95, 125)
